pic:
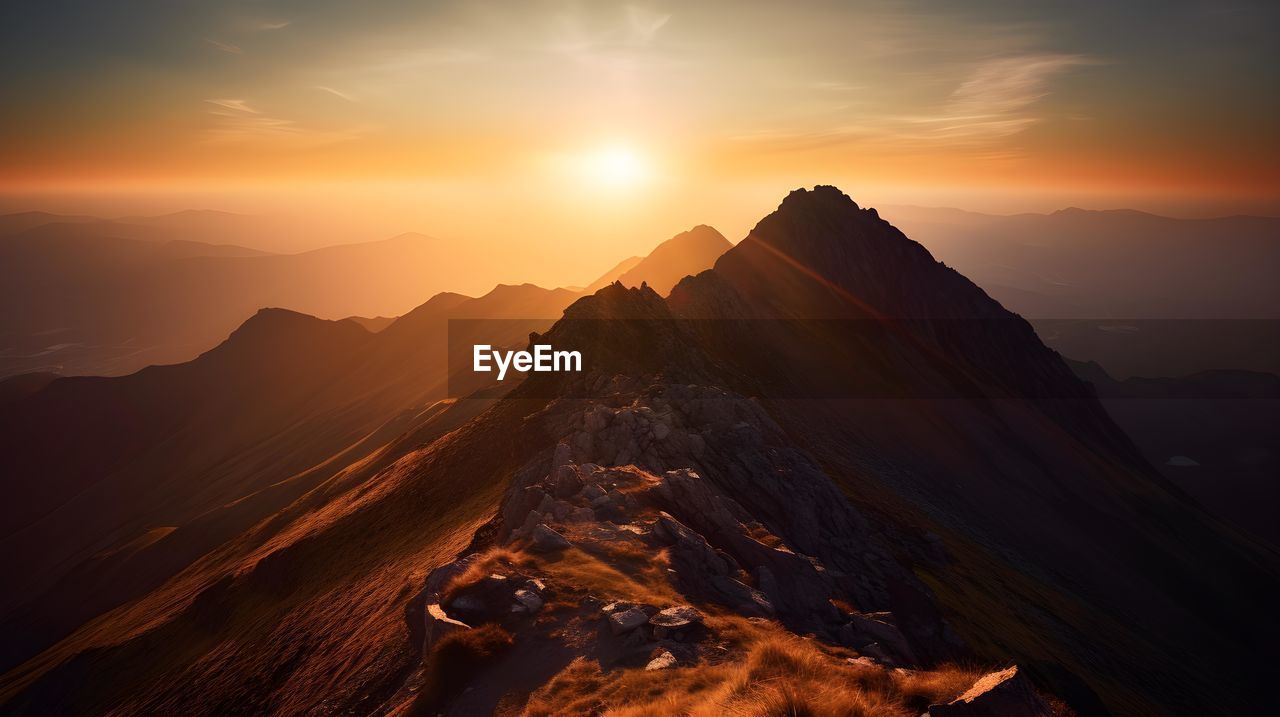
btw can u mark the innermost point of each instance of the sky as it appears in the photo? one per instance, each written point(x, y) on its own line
point(605, 127)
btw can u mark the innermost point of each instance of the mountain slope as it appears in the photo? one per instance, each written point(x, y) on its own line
point(204, 449)
point(1031, 481)
point(1209, 433)
point(979, 505)
point(682, 255)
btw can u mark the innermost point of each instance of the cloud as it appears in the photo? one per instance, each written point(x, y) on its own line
point(994, 100)
point(225, 46)
point(999, 94)
point(336, 93)
point(238, 122)
point(262, 25)
point(645, 24)
point(238, 106)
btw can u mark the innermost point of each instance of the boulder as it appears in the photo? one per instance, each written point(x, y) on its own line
point(675, 620)
point(438, 624)
point(522, 503)
point(562, 455)
point(547, 540)
point(878, 627)
point(627, 620)
point(581, 515)
point(486, 600)
point(661, 431)
point(1006, 693)
point(527, 601)
point(663, 661)
point(565, 481)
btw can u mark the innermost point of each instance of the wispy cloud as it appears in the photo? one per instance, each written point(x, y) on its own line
point(264, 25)
point(998, 97)
point(995, 100)
point(238, 122)
point(419, 59)
point(225, 46)
point(645, 23)
point(238, 106)
point(336, 93)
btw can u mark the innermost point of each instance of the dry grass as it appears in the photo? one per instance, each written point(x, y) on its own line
point(646, 583)
point(777, 675)
point(454, 662)
point(497, 560)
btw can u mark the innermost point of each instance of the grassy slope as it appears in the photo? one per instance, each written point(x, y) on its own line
point(305, 607)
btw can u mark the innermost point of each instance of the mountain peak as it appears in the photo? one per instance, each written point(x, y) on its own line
point(822, 195)
point(686, 253)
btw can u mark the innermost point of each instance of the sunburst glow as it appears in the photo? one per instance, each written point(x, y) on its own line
point(616, 166)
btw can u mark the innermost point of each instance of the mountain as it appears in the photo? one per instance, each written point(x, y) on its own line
point(613, 274)
point(79, 298)
point(815, 478)
point(204, 449)
point(684, 254)
point(1210, 433)
point(1115, 264)
point(110, 297)
point(1141, 294)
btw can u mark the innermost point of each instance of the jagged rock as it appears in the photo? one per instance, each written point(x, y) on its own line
point(438, 624)
point(487, 600)
point(528, 600)
point(802, 596)
point(1007, 693)
point(565, 481)
point(742, 597)
point(874, 651)
point(597, 419)
point(621, 500)
point(674, 621)
point(677, 618)
point(443, 575)
point(581, 515)
point(692, 556)
point(560, 510)
point(878, 628)
point(563, 455)
point(627, 620)
point(663, 661)
point(622, 606)
point(521, 503)
point(593, 492)
point(547, 540)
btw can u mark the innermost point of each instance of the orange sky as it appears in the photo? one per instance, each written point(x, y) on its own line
point(485, 122)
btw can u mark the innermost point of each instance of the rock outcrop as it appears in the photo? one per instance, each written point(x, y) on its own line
point(1007, 693)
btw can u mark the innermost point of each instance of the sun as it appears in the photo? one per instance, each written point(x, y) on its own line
point(617, 166)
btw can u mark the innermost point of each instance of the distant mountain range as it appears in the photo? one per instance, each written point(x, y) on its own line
point(827, 433)
point(1141, 294)
point(80, 295)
